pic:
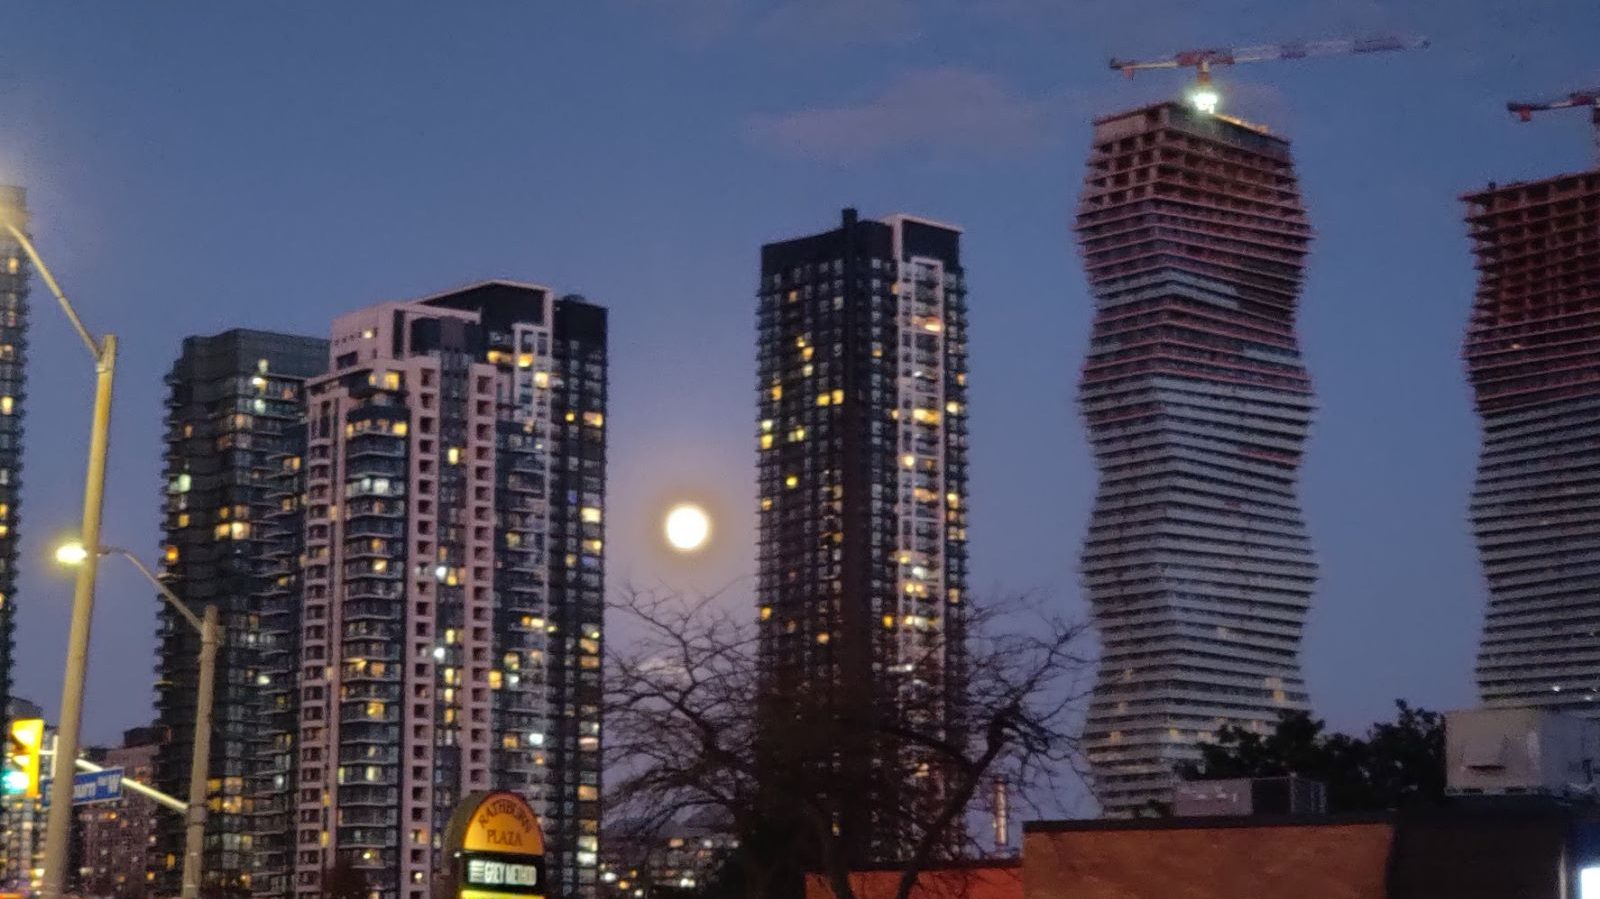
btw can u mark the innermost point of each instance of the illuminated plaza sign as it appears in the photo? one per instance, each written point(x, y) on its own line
point(497, 848)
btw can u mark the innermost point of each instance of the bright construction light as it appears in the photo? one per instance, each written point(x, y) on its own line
point(1205, 99)
point(71, 553)
point(687, 527)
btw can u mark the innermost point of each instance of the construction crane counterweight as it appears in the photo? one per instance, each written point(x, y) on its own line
point(1576, 100)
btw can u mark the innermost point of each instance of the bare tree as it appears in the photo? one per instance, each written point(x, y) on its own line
point(687, 734)
point(343, 880)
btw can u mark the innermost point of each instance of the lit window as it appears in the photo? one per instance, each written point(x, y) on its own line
point(908, 460)
point(777, 391)
point(838, 397)
point(766, 441)
point(797, 435)
point(590, 515)
point(593, 546)
point(823, 638)
point(766, 424)
point(766, 503)
point(525, 360)
point(766, 612)
point(791, 481)
point(368, 334)
point(823, 399)
point(7, 404)
point(594, 419)
point(541, 379)
point(391, 380)
point(453, 455)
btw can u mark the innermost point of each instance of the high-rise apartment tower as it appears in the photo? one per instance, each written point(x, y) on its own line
point(862, 399)
point(13, 391)
point(1533, 355)
point(451, 624)
point(118, 836)
point(1197, 562)
point(233, 409)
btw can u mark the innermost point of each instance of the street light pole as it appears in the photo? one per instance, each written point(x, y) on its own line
point(200, 759)
point(58, 824)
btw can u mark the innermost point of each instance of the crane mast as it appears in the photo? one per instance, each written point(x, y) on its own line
point(1576, 100)
point(1205, 97)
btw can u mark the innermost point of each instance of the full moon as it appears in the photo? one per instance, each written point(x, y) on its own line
point(687, 527)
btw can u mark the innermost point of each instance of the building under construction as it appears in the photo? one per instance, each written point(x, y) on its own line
point(1533, 355)
point(1197, 562)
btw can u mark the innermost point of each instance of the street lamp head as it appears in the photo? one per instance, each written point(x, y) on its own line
point(72, 553)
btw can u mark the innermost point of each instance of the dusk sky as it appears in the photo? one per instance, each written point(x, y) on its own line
point(193, 167)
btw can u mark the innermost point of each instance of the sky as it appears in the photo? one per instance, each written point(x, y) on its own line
point(196, 166)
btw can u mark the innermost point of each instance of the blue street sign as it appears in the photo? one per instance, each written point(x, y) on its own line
point(88, 787)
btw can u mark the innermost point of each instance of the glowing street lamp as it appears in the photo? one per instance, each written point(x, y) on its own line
point(74, 554)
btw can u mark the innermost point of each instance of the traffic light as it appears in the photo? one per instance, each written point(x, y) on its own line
point(25, 742)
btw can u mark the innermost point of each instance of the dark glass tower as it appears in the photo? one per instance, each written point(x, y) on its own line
point(13, 390)
point(576, 565)
point(233, 416)
point(862, 550)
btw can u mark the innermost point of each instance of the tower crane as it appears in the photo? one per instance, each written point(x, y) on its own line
point(1574, 100)
point(1205, 97)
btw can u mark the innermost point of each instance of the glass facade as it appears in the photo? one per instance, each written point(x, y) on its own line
point(233, 415)
point(862, 449)
point(13, 393)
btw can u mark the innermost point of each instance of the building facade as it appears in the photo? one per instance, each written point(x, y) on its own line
point(119, 837)
point(1531, 350)
point(13, 393)
point(271, 789)
point(234, 406)
point(1197, 562)
point(450, 633)
point(862, 553)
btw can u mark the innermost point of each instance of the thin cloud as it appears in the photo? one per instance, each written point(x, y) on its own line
point(819, 23)
point(852, 21)
point(937, 112)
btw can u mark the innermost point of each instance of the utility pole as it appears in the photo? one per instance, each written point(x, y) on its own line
point(58, 824)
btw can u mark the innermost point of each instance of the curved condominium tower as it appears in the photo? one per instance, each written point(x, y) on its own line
point(1533, 352)
point(1197, 562)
